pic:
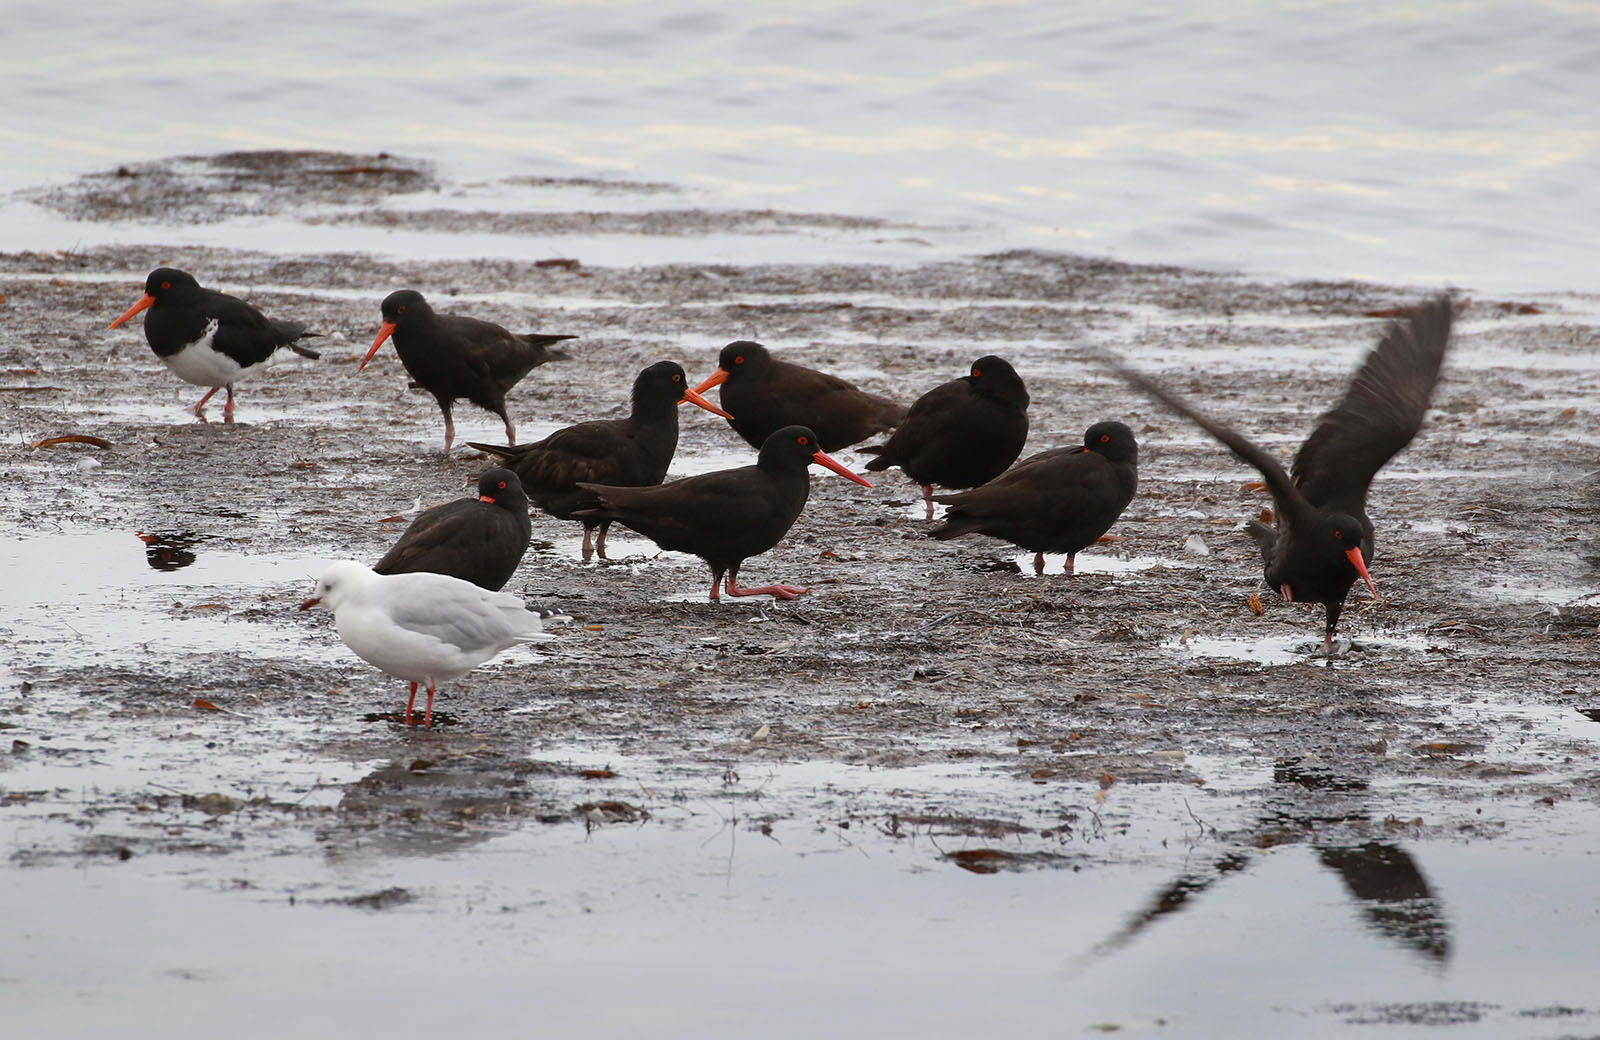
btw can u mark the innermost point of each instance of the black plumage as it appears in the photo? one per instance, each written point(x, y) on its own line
point(727, 516)
point(631, 452)
point(1324, 540)
point(1058, 501)
point(455, 357)
point(480, 539)
point(962, 433)
point(764, 394)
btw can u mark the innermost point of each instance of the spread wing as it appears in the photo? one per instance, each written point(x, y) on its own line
point(1380, 413)
point(1292, 507)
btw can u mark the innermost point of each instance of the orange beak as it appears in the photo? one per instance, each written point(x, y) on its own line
point(308, 604)
point(1354, 556)
point(827, 461)
point(144, 301)
point(716, 378)
point(384, 332)
point(693, 397)
point(486, 498)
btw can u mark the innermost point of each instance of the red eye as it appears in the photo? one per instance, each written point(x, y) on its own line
point(976, 374)
point(1105, 438)
point(400, 309)
point(802, 440)
point(166, 285)
point(1338, 534)
point(502, 485)
point(739, 360)
point(677, 379)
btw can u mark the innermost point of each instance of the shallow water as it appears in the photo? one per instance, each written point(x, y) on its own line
point(1445, 142)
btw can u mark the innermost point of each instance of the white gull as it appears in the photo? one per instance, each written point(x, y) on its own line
point(423, 628)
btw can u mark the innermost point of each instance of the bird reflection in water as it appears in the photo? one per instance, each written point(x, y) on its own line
point(169, 552)
point(1392, 895)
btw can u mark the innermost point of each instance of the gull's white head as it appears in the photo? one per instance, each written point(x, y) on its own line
point(337, 584)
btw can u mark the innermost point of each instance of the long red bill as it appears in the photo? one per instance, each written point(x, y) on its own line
point(823, 459)
point(693, 397)
point(308, 604)
point(1354, 556)
point(716, 378)
point(486, 498)
point(144, 301)
point(384, 332)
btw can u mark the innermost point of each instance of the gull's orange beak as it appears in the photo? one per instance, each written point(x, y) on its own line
point(308, 604)
point(384, 332)
point(144, 301)
point(1354, 556)
point(693, 397)
point(822, 458)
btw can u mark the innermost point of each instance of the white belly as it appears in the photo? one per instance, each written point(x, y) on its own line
point(197, 363)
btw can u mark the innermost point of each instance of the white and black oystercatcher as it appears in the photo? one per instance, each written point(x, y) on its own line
point(453, 356)
point(630, 452)
point(480, 539)
point(209, 338)
point(1323, 540)
point(423, 628)
point(727, 516)
point(1058, 501)
point(962, 433)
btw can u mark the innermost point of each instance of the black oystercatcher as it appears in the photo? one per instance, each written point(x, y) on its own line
point(1058, 501)
point(1324, 539)
point(452, 356)
point(765, 394)
point(727, 516)
point(962, 433)
point(480, 540)
point(631, 452)
point(209, 338)
point(424, 628)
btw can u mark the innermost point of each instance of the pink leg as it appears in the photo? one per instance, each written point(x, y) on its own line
point(427, 720)
point(777, 591)
point(716, 580)
point(409, 702)
point(927, 498)
point(511, 432)
point(1286, 592)
point(1072, 563)
point(449, 433)
point(200, 406)
point(227, 409)
point(588, 546)
point(600, 541)
point(1038, 563)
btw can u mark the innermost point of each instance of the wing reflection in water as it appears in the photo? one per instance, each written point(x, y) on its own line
point(1393, 897)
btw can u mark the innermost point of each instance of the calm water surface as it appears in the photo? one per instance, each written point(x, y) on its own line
point(1435, 142)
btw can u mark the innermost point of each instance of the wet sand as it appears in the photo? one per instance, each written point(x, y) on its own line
point(1073, 721)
